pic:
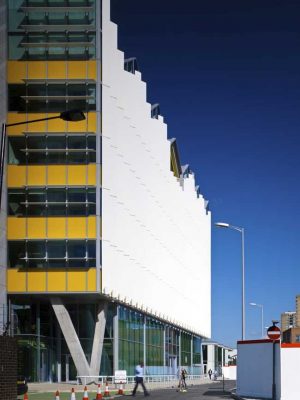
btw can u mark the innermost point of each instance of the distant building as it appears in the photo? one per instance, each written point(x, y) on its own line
point(291, 335)
point(290, 324)
point(288, 320)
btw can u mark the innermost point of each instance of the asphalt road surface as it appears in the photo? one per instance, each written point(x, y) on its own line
point(211, 391)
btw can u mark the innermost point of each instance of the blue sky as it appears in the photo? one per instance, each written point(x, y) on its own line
point(227, 77)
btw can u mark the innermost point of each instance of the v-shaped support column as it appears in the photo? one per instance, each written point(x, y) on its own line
point(98, 339)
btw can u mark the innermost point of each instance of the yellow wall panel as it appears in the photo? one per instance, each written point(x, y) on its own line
point(92, 69)
point(36, 281)
point(16, 280)
point(16, 228)
point(77, 175)
point(92, 230)
point(36, 70)
point(77, 281)
point(79, 126)
point(56, 281)
point(92, 121)
point(16, 71)
point(56, 125)
point(56, 228)
point(36, 228)
point(57, 175)
point(13, 118)
point(77, 69)
point(36, 126)
point(36, 175)
point(92, 174)
point(56, 70)
point(16, 175)
point(77, 227)
point(92, 280)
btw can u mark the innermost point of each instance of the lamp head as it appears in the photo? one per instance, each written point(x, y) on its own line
point(72, 115)
point(252, 304)
point(222, 225)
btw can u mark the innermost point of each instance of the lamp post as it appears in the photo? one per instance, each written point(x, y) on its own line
point(262, 317)
point(70, 115)
point(241, 230)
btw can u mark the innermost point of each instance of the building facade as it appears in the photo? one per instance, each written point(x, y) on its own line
point(288, 320)
point(106, 245)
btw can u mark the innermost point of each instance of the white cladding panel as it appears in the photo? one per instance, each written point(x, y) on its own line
point(156, 233)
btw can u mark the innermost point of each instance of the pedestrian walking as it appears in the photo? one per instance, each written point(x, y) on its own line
point(210, 373)
point(139, 379)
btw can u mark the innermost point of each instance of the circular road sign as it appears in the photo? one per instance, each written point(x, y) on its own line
point(273, 332)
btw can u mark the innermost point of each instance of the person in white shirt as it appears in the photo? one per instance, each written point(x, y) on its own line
point(139, 379)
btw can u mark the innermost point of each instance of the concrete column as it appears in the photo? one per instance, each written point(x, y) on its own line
point(58, 352)
point(71, 337)
point(116, 340)
point(179, 358)
point(144, 344)
point(98, 339)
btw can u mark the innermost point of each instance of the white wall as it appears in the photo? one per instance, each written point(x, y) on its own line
point(254, 369)
point(290, 382)
point(156, 235)
point(230, 372)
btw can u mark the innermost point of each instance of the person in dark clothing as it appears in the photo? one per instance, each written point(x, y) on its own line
point(139, 379)
point(210, 373)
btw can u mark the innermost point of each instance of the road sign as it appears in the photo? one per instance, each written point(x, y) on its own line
point(120, 377)
point(273, 332)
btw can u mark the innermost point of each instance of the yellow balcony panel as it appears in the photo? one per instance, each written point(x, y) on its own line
point(77, 281)
point(56, 281)
point(56, 70)
point(16, 228)
point(77, 69)
point(37, 70)
point(92, 69)
point(36, 175)
point(36, 281)
point(57, 175)
point(92, 174)
point(36, 126)
point(92, 280)
point(79, 126)
point(91, 121)
point(56, 125)
point(77, 227)
point(36, 228)
point(13, 118)
point(92, 230)
point(56, 228)
point(77, 175)
point(16, 281)
point(16, 71)
point(16, 176)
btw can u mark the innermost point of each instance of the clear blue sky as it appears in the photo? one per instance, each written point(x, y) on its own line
point(227, 77)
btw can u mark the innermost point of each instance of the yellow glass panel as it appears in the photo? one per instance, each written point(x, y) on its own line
point(92, 231)
point(92, 69)
point(92, 121)
point(16, 281)
point(56, 125)
point(77, 175)
point(77, 228)
point(57, 175)
point(36, 228)
point(56, 70)
point(56, 281)
point(36, 126)
point(36, 281)
point(92, 280)
point(13, 118)
point(77, 281)
point(77, 70)
point(92, 174)
point(56, 228)
point(16, 71)
point(16, 228)
point(16, 175)
point(36, 175)
point(36, 70)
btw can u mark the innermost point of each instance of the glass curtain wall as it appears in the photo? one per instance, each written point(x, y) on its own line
point(154, 347)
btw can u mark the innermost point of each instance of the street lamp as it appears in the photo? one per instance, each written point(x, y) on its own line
point(241, 230)
point(262, 316)
point(70, 115)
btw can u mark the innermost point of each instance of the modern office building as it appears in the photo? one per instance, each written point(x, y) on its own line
point(105, 238)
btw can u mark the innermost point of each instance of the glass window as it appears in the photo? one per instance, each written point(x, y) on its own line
point(16, 200)
point(92, 249)
point(56, 195)
point(36, 157)
point(16, 153)
point(56, 142)
point(76, 142)
point(92, 142)
point(76, 249)
point(36, 195)
point(36, 142)
point(77, 157)
point(76, 210)
point(77, 195)
point(36, 249)
point(16, 251)
point(56, 249)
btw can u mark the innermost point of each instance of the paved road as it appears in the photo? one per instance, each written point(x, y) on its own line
point(211, 391)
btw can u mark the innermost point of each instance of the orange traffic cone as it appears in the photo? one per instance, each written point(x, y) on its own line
point(121, 391)
point(57, 395)
point(85, 394)
point(73, 397)
point(26, 396)
point(106, 393)
point(99, 393)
